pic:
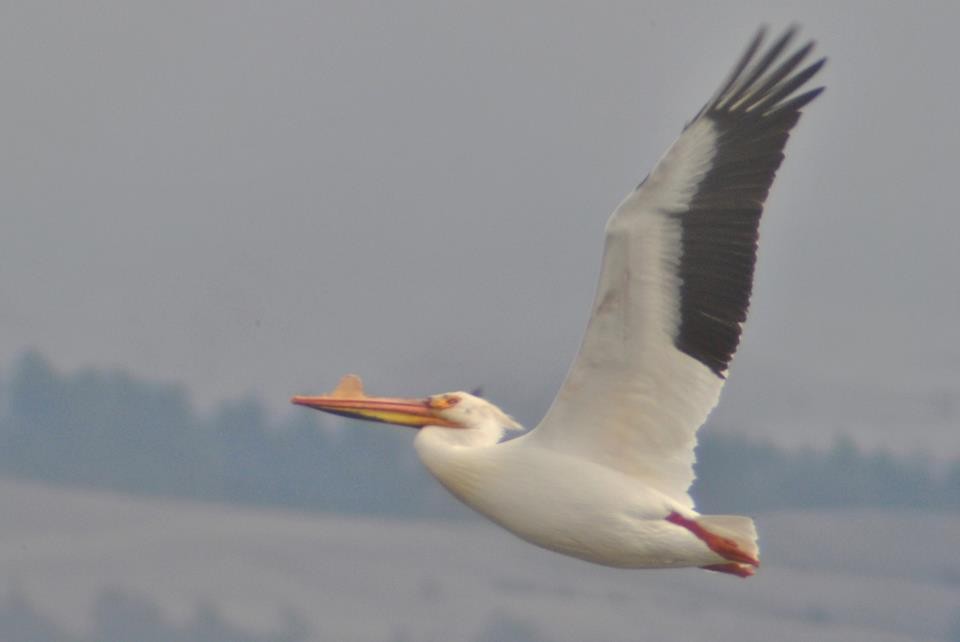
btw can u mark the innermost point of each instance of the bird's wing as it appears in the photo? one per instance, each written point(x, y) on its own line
point(676, 280)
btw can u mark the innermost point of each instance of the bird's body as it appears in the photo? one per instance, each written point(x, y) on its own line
point(605, 475)
point(565, 503)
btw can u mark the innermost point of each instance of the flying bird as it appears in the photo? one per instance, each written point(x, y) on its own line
point(605, 476)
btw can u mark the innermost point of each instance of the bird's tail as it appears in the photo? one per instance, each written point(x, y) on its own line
point(736, 528)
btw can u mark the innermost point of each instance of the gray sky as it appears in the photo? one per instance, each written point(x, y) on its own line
point(260, 197)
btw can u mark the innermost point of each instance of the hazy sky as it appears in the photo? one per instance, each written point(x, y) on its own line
point(260, 197)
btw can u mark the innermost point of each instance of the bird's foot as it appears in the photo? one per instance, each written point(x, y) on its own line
point(722, 546)
point(740, 570)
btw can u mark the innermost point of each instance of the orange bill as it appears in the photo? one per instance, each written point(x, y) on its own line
point(349, 400)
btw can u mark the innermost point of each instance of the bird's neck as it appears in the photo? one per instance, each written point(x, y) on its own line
point(483, 433)
point(457, 456)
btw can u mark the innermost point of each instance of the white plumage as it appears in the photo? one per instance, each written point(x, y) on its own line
point(605, 476)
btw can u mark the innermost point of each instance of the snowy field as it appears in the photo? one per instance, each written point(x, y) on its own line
point(839, 576)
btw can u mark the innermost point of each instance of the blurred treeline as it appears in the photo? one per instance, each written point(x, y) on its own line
point(108, 429)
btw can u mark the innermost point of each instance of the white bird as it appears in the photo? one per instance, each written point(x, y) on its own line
point(605, 475)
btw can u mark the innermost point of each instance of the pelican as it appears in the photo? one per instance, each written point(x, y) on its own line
point(605, 476)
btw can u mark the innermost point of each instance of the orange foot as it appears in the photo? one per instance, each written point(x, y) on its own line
point(740, 570)
point(722, 546)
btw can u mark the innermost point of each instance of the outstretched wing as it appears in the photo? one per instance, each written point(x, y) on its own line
point(676, 280)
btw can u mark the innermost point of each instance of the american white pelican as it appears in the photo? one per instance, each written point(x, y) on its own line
point(605, 475)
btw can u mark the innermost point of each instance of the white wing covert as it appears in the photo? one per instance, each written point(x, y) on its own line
point(676, 280)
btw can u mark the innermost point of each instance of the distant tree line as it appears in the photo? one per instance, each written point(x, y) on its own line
point(108, 429)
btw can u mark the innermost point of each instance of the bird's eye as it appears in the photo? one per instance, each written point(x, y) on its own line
point(444, 401)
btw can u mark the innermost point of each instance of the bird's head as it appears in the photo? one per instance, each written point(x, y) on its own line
point(457, 411)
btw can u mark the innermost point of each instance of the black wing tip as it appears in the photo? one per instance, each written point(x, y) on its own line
point(753, 114)
point(766, 75)
point(801, 101)
point(788, 34)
